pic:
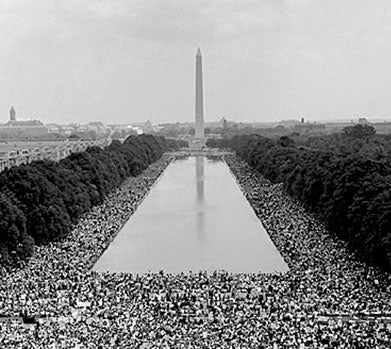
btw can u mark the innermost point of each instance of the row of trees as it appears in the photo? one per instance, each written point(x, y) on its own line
point(350, 192)
point(358, 139)
point(40, 201)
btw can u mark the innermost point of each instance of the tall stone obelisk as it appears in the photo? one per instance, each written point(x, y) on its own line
point(199, 103)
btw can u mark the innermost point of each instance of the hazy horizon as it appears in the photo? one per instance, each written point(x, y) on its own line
point(129, 61)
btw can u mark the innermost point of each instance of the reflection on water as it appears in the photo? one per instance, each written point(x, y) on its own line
point(194, 218)
point(199, 162)
point(199, 166)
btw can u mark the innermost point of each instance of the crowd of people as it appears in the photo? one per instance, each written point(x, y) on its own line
point(328, 299)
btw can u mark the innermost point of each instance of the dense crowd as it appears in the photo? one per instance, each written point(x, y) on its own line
point(343, 178)
point(328, 299)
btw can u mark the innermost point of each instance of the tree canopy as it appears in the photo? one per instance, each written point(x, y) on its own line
point(40, 201)
point(349, 190)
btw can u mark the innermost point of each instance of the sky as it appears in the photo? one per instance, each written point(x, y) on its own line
point(116, 61)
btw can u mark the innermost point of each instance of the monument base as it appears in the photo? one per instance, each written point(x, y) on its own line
point(197, 143)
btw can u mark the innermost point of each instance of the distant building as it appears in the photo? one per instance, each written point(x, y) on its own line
point(53, 128)
point(149, 127)
point(307, 127)
point(98, 127)
point(22, 129)
point(288, 123)
point(66, 130)
point(12, 114)
point(223, 123)
point(25, 123)
point(382, 127)
point(58, 150)
point(123, 131)
point(13, 122)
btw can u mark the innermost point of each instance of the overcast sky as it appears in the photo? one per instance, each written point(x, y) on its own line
point(123, 61)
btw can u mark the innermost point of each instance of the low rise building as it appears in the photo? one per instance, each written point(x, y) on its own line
point(22, 129)
point(55, 152)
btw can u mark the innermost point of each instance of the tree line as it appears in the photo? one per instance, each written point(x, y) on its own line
point(40, 201)
point(358, 139)
point(350, 192)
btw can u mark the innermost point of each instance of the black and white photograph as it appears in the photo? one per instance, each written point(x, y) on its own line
point(195, 174)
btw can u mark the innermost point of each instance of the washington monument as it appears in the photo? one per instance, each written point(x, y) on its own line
point(199, 103)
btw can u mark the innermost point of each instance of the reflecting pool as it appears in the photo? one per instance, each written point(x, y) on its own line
point(195, 217)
